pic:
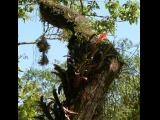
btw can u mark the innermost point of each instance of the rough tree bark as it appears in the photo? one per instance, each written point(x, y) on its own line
point(90, 68)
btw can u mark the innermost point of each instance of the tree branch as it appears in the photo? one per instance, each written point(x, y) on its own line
point(45, 109)
point(27, 43)
point(96, 16)
point(63, 17)
point(34, 42)
point(81, 6)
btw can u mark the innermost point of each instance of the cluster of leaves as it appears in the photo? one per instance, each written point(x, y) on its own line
point(122, 100)
point(129, 11)
point(108, 25)
point(25, 7)
point(65, 2)
point(32, 84)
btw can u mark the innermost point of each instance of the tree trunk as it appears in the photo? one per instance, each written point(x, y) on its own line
point(90, 68)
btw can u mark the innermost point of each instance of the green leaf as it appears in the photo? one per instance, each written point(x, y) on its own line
point(19, 69)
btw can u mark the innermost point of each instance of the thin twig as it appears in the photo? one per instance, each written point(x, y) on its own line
point(52, 34)
point(104, 17)
point(34, 42)
point(27, 43)
point(81, 6)
point(133, 53)
point(120, 21)
point(96, 16)
point(53, 38)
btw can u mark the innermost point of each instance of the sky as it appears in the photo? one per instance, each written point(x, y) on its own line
point(32, 29)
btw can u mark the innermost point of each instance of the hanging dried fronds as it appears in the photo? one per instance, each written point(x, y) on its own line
point(44, 59)
point(43, 45)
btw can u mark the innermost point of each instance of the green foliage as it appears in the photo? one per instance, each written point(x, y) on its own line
point(93, 5)
point(25, 7)
point(123, 98)
point(65, 2)
point(32, 84)
point(129, 11)
point(19, 69)
point(104, 25)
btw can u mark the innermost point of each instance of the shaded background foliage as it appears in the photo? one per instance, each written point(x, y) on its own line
point(32, 84)
point(122, 100)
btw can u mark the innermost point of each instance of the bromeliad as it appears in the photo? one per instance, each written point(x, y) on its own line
point(101, 37)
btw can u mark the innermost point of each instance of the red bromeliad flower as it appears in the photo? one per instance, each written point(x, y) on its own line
point(101, 37)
